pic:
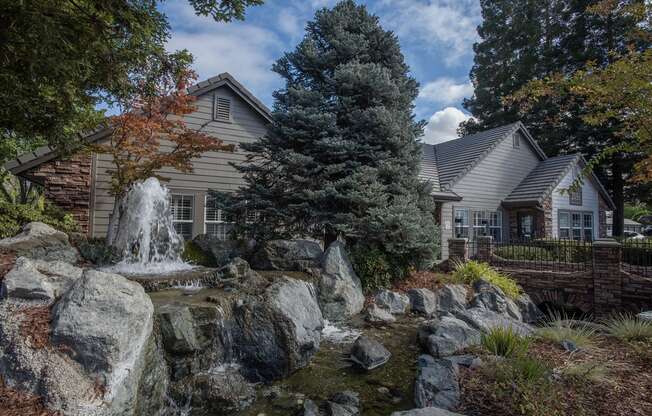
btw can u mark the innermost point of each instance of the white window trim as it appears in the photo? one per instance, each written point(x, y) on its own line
point(466, 227)
point(570, 227)
point(219, 215)
point(470, 226)
point(192, 211)
point(217, 97)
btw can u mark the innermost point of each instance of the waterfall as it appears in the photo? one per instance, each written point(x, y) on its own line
point(146, 237)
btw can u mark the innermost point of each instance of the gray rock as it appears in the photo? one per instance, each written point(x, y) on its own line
point(346, 403)
point(221, 392)
point(42, 242)
point(484, 320)
point(369, 353)
point(447, 336)
point(427, 411)
point(39, 280)
point(340, 290)
point(396, 303)
point(237, 268)
point(105, 322)
point(436, 384)
point(645, 316)
point(376, 314)
point(177, 328)
point(569, 345)
point(310, 408)
point(494, 299)
point(278, 333)
point(221, 250)
point(423, 301)
point(466, 360)
point(451, 297)
point(530, 312)
point(297, 255)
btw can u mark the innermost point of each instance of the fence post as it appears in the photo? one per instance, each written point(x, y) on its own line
point(607, 276)
point(485, 248)
point(458, 249)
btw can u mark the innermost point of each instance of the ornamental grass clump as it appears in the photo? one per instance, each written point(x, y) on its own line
point(505, 342)
point(472, 271)
point(629, 328)
point(558, 328)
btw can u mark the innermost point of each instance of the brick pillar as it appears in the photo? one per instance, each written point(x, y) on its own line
point(607, 277)
point(485, 248)
point(458, 249)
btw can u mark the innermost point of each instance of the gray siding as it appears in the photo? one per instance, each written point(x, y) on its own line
point(492, 180)
point(561, 201)
point(211, 171)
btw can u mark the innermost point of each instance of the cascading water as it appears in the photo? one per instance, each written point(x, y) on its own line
point(146, 237)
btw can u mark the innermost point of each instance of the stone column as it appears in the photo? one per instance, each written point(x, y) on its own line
point(458, 249)
point(607, 277)
point(485, 248)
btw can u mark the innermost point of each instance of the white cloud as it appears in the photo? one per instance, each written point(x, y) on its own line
point(288, 23)
point(245, 50)
point(446, 25)
point(442, 125)
point(445, 91)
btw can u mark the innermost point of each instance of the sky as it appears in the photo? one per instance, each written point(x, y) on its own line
point(436, 38)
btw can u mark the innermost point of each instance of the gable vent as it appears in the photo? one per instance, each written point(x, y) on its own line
point(222, 109)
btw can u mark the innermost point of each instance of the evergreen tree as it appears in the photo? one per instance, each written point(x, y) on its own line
point(342, 156)
point(527, 40)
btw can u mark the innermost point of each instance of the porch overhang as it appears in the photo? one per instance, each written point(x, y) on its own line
point(440, 196)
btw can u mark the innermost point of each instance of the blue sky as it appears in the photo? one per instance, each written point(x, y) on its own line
point(436, 38)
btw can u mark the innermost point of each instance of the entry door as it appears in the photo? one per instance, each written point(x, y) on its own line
point(525, 226)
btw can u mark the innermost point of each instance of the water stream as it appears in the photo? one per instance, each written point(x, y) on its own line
point(146, 237)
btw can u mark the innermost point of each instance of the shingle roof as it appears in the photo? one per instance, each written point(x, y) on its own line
point(456, 157)
point(543, 179)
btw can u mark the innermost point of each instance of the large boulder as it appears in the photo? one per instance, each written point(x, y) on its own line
point(340, 290)
point(104, 322)
point(42, 242)
point(484, 320)
point(447, 336)
point(222, 250)
point(376, 315)
point(278, 333)
point(423, 301)
point(345, 403)
point(369, 353)
point(426, 411)
point(297, 255)
point(436, 384)
point(38, 280)
point(530, 312)
point(396, 303)
point(494, 299)
point(222, 391)
point(451, 297)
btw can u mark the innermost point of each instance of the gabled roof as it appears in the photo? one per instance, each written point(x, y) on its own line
point(446, 163)
point(543, 179)
point(430, 173)
point(44, 154)
point(455, 158)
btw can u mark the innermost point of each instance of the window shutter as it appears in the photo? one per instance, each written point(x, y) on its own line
point(222, 109)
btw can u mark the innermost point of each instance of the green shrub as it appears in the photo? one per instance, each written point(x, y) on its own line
point(629, 328)
point(567, 251)
point(193, 254)
point(372, 266)
point(471, 271)
point(557, 329)
point(505, 342)
point(14, 216)
point(524, 253)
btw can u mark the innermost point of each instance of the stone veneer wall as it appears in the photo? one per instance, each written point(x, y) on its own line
point(602, 217)
point(542, 219)
point(68, 184)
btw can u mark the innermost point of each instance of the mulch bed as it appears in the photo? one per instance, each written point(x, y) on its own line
point(35, 326)
point(624, 389)
point(16, 403)
point(7, 261)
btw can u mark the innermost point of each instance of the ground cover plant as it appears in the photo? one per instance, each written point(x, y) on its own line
point(472, 271)
point(14, 216)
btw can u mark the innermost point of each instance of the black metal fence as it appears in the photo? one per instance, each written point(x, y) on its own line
point(637, 257)
point(557, 255)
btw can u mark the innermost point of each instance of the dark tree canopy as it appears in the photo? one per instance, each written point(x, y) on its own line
point(60, 58)
point(342, 156)
point(525, 40)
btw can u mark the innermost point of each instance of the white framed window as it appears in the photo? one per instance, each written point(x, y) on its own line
point(461, 221)
point(516, 140)
point(575, 196)
point(576, 225)
point(216, 223)
point(183, 213)
point(222, 109)
point(488, 223)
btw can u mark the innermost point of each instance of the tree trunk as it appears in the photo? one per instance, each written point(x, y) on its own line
point(617, 187)
point(114, 220)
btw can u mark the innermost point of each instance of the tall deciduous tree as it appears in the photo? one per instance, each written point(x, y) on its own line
point(342, 157)
point(151, 134)
point(59, 58)
point(527, 40)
